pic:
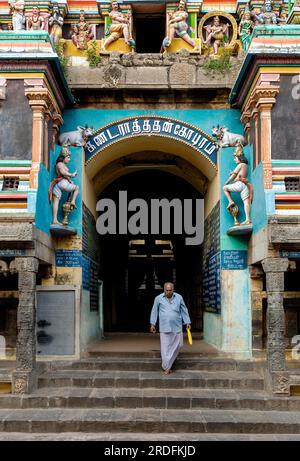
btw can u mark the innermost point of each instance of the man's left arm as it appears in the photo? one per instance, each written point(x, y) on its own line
point(185, 314)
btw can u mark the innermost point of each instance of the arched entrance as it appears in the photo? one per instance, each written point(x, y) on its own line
point(133, 268)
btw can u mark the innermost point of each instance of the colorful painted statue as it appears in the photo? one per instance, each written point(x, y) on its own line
point(35, 21)
point(18, 17)
point(120, 27)
point(240, 183)
point(56, 22)
point(217, 34)
point(177, 26)
point(267, 16)
point(62, 183)
point(82, 33)
point(245, 30)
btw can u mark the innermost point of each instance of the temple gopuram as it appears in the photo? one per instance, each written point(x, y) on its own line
point(108, 110)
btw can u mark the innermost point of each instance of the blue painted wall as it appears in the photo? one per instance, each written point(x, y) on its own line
point(218, 329)
point(259, 212)
point(205, 119)
point(226, 166)
point(43, 208)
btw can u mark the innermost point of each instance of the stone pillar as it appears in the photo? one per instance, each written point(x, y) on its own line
point(47, 117)
point(25, 377)
point(256, 287)
point(275, 269)
point(38, 123)
point(259, 105)
point(264, 145)
point(43, 106)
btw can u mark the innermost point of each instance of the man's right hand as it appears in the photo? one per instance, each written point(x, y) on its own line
point(152, 329)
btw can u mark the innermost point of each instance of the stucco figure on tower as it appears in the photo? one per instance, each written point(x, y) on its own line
point(121, 25)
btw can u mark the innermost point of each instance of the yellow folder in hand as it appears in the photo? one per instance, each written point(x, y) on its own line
point(190, 339)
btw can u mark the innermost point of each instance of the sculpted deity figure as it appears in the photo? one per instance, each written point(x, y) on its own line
point(217, 34)
point(62, 183)
point(120, 27)
point(267, 16)
point(56, 22)
point(177, 26)
point(240, 183)
point(245, 30)
point(18, 17)
point(82, 33)
point(35, 21)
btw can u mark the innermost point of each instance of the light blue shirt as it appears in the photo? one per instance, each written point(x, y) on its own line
point(172, 313)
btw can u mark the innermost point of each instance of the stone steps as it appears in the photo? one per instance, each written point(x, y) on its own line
point(205, 398)
point(144, 437)
point(151, 420)
point(186, 398)
point(129, 379)
point(153, 364)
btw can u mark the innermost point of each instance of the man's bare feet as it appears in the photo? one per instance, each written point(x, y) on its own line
point(56, 223)
point(167, 371)
point(246, 223)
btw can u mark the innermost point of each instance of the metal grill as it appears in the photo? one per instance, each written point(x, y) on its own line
point(292, 184)
point(10, 183)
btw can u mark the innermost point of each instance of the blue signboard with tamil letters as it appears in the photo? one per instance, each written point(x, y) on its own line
point(290, 254)
point(234, 259)
point(212, 284)
point(152, 126)
point(68, 258)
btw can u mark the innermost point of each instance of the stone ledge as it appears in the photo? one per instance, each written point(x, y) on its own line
point(177, 75)
point(284, 229)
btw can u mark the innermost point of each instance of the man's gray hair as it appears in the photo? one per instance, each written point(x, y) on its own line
point(169, 283)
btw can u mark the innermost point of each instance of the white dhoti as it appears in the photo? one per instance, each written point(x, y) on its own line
point(63, 186)
point(239, 186)
point(170, 343)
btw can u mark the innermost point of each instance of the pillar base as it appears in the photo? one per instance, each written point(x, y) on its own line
point(24, 382)
point(280, 382)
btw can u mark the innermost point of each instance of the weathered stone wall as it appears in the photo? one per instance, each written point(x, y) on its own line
point(286, 135)
point(173, 71)
point(16, 123)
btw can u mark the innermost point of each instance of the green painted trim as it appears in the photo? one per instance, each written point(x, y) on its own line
point(193, 24)
point(107, 22)
point(285, 163)
point(15, 163)
point(13, 192)
point(276, 31)
point(21, 36)
point(284, 192)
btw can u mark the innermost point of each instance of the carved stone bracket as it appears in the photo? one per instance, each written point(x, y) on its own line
point(275, 264)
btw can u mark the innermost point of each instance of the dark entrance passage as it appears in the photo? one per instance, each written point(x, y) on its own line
point(135, 268)
point(149, 32)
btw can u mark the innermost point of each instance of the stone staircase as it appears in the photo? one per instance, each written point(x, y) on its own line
point(113, 398)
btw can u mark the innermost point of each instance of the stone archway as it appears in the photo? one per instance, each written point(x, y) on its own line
point(108, 160)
